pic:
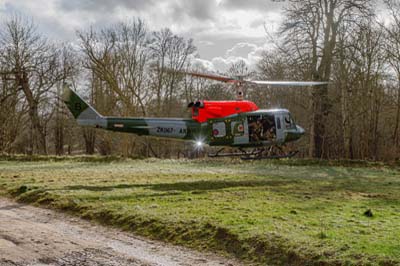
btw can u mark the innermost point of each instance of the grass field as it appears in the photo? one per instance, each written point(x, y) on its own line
point(280, 213)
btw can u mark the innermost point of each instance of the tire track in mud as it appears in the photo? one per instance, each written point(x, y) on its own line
point(31, 236)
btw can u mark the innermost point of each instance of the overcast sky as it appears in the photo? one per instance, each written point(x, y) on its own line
point(223, 30)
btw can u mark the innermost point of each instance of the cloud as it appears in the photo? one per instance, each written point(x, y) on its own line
point(252, 4)
point(222, 64)
point(203, 20)
point(102, 5)
point(241, 49)
point(250, 53)
point(200, 10)
point(224, 31)
point(206, 43)
point(50, 22)
point(203, 65)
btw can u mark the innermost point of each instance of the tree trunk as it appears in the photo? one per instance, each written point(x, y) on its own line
point(89, 136)
point(396, 128)
point(37, 129)
point(59, 127)
point(319, 121)
point(59, 139)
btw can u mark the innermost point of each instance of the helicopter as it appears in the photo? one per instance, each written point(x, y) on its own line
point(238, 125)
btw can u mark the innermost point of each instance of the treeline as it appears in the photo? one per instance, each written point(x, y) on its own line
point(358, 50)
point(122, 71)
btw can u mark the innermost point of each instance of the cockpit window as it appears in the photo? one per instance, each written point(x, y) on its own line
point(289, 122)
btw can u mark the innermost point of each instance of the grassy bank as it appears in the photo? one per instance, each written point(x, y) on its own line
point(287, 212)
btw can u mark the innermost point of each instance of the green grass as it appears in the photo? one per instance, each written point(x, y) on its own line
point(282, 212)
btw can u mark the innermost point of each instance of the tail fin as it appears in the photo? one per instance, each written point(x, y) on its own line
point(84, 114)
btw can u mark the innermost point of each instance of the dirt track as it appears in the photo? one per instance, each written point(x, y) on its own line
point(33, 236)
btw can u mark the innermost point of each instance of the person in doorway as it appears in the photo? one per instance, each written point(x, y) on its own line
point(270, 134)
point(256, 130)
point(268, 129)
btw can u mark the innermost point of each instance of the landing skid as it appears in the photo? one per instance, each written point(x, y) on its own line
point(239, 153)
point(272, 152)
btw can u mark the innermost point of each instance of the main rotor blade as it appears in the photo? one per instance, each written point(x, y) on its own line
point(210, 76)
point(258, 82)
point(288, 83)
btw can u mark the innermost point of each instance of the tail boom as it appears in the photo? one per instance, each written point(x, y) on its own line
point(157, 127)
point(86, 115)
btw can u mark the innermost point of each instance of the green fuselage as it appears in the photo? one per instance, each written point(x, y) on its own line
point(185, 129)
point(252, 129)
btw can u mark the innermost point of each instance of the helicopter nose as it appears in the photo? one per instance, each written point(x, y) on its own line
point(294, 134)
point(300, 130)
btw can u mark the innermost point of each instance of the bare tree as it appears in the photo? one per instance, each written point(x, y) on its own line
point(168, 52)
point(393, 55)
point(117, 56)
point(12, 110)
point(311, 33)
point(69, 68)
point(34, 64)
point(368, 64)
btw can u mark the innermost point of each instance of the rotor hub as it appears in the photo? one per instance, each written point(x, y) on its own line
point(239, 91)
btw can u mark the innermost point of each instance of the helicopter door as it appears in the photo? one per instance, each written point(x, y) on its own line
point(240, 131)
point(261, 128)
point(220, 132)
point(280, 134)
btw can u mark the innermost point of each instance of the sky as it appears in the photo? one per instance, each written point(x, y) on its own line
point(224, 31)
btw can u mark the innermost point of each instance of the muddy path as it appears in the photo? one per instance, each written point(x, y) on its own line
point(34, 236)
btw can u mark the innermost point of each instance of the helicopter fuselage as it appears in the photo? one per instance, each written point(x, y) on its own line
point(244, 129)
point(251, 129)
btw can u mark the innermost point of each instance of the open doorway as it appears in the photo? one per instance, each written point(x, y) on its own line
point(262, 127)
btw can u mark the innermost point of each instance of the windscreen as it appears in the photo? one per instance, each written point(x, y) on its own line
point(289, 122)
